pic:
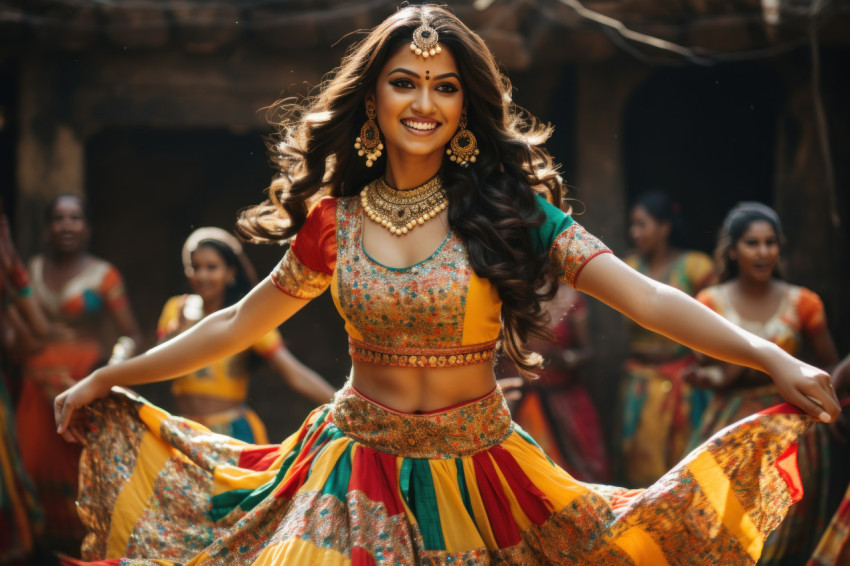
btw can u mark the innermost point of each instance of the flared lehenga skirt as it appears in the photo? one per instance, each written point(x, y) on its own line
point(362, 484)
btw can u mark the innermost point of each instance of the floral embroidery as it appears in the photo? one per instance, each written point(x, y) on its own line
point(296, 279)
point(461, 431)
point(572, 249)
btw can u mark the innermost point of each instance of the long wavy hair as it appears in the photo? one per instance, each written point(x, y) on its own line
point(737, 221)
point(491, 203)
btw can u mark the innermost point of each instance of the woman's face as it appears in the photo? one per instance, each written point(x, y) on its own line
point(756, 251)
point(646, 232)
point(210, 274)
point(418, 103)
point(68, 229)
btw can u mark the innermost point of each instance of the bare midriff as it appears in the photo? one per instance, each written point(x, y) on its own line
point(411, 390)
point(202, 405)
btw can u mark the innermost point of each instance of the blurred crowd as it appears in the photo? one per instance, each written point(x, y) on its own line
point(65, 312)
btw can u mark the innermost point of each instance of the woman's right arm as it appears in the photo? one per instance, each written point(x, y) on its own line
point(221, 334)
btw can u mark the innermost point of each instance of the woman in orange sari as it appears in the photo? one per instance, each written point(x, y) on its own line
point(82, 297)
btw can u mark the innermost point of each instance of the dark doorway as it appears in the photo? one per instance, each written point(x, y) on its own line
point(706, 135)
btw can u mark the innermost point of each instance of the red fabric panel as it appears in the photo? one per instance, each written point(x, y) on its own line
point(374, 474)
point(259, 458)
point(533, 501)
point(781, 409)
point(502, 521)
point(786, 464)
point(315, 243)
point(361, 557)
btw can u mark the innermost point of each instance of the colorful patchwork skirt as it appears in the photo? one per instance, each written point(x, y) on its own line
point(362, 484)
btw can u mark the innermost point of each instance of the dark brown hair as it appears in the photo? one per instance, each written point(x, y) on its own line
point(737, 221)
point(492, 204)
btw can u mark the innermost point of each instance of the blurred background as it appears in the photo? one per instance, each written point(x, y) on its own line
point(154, 110)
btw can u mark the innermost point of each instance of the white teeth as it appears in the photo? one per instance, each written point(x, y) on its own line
point(420, 125)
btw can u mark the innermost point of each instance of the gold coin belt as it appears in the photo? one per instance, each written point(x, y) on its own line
point(402, 211)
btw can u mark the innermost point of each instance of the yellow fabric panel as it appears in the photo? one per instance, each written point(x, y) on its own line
point(559, 486)
point(459, 530)
point(522, 520)
point(298, 551)
point(152, 417)
point(131, 502)
point(482, 318)
point(227, 478)
point(641, 548)
point(324, 464)
point(718, 490)
point(349, 328)
point(478, 509)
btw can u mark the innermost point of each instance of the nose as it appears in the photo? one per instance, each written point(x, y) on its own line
point(423, 102)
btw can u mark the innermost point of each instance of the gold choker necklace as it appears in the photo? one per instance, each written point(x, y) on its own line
point(401, 211)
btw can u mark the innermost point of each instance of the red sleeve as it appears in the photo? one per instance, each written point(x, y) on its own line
point(706, 298)
point(112, 289)
point(811, 311)
point(315, 243)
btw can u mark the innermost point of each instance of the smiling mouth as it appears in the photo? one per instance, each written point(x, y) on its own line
point(418, 125)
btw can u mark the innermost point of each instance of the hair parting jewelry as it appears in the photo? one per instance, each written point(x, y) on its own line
point(402, 211)
point(368, 144)
point(425, 41)
point(463, 147)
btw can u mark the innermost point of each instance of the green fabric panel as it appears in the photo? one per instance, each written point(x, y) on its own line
point(556, 222)
point(224, 503)
point(464, 490)
point(424, 506)
point(338, 480)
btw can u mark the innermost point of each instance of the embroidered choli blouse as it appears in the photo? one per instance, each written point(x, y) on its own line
point(435, 313)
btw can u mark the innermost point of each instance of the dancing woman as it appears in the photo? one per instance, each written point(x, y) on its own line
point(434, 243)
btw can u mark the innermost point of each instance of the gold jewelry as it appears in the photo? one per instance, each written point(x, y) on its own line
point(425, 41)
point(463, 147)
point(369, 144)
point(401, 211)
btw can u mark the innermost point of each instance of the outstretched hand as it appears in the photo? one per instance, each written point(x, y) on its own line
point(807, 387)
point(68, 408)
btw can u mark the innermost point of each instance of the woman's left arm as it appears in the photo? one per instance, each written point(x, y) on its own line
point(674, 314)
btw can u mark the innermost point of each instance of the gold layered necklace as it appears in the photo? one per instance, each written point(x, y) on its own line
point(402, 211)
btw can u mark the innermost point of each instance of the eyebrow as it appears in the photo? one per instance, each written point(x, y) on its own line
point(416, 75)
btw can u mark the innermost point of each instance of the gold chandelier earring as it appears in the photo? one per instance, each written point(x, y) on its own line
point(369, 144)
point(463, 147)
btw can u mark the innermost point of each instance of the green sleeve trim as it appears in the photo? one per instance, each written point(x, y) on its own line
point(556, 222)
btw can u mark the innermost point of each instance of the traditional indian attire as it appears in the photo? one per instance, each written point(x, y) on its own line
point(78, 310)
point(360, 483)
point(556, 409)
point(660, 411)
point(800, 313)
point(226, 379)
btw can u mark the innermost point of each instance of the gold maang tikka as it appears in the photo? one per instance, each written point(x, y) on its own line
point(402, 211)
point(425, 41)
